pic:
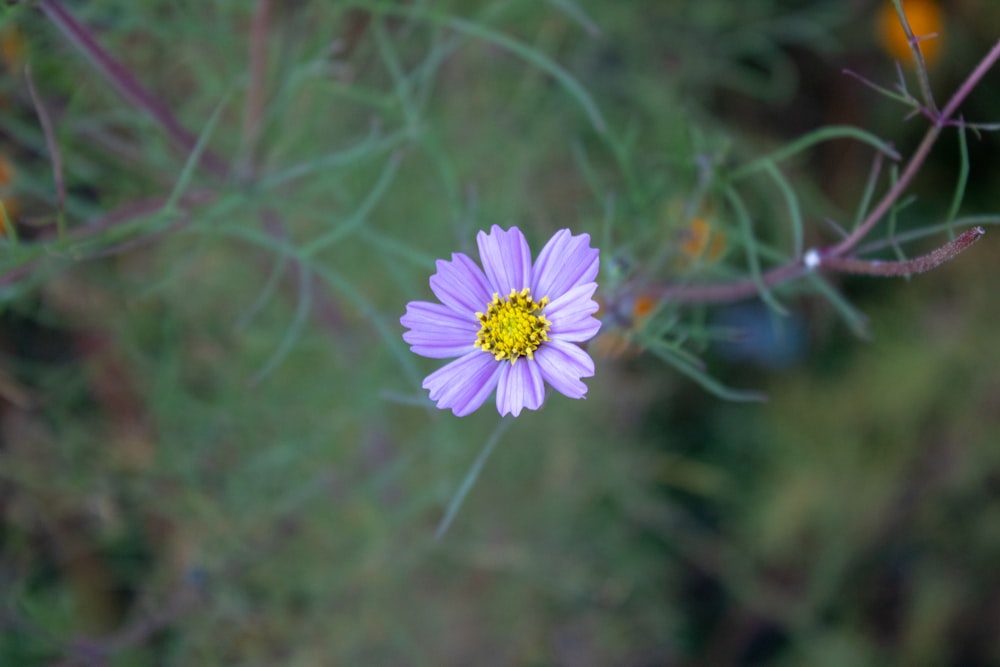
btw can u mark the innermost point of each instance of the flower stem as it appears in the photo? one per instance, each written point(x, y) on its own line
point(920, 264)
point(746, 288)
point(917, 161)
point(918, 58)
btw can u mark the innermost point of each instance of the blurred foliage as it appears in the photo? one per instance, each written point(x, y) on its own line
point(214, 448)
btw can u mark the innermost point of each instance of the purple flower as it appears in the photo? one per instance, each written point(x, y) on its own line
point(512, 327)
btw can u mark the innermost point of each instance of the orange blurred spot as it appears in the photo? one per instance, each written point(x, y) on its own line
point(8, 215)
point(644, 304)
point(624, 320)
point(9, 203)
point(700, 241)
point(925, 18)
point(613, 345)
point(6, 172)
point(12, 47)
point(695, 238)
point(629, 311)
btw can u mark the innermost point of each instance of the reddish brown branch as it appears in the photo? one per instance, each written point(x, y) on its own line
point(122, 79)
point(875, 267)
point(256, 88)
point(746, 288)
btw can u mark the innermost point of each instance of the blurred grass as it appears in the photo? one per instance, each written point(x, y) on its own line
point(214, 445)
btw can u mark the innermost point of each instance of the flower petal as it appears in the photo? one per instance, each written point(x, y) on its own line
point(506, 259)
point(520, 386)
point(577, 332)
point(565, 262)
point(574, 304)
point(562, 365)
point(464, 384)
point(436, 348)
point(435, 317)
point(436, 331)
point(461, 285)
point(570, 314)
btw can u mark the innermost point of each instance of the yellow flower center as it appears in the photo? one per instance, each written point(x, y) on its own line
point(513, 327)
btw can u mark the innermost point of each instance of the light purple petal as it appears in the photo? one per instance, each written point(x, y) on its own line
point(506, 259)
point(464, 384)
point(574, 304)
point(578, 331)
point(435, 317)
point(570, 314)
point(565, 273)
point(562, 365)
point(565, 262)
point(436, 348)
point(461, 285)
point(437, 332)
point(520, 386)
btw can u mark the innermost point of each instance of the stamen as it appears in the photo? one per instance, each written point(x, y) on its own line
point(513, 327)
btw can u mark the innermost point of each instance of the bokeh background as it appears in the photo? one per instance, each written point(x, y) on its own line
point(214, 448)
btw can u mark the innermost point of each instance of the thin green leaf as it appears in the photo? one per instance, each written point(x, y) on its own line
point(530, 55)
point(266, 293)
point(855, 320)
point(808, 141)
point(961, 182)
point(792, 202)
point(294, 331)
point(577, 13)
point(400, 83)
point(360, 215)
point(470, 477)
point(369, 147)
point(866, 196)
point(706, 381)
point(750, 244)
point(187, 172)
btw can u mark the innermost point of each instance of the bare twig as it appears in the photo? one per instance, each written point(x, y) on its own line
point(727, 292)
point(131, 211)
point(256, 88)
point(875, 267)
point(918, 58)
point(919, 156)
point(127, 85)
point(746, 288)
point(970, 83)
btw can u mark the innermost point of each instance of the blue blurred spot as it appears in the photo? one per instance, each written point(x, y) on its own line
point(757, 335)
